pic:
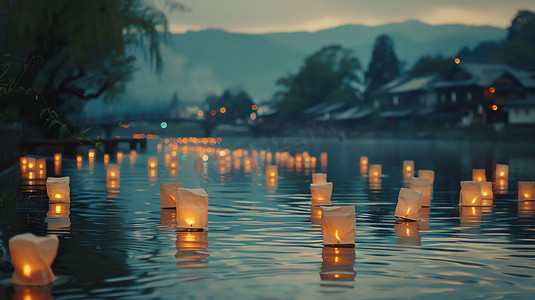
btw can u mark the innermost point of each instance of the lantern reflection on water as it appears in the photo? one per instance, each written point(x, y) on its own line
point(315, 215)
point(120, 157)
point(502, 185)
point(41, 168)
point(407, 233)
point(32, 258)
point(409, 204)
point(192, 209)
point(423, 219)
point(479, 175)
point(470, 216)
point(429, 174)
point(422, 185)
point(321, 193)
point(338, 225)
point(152, 162)
point(113, 178)
point(338, 264)
point(191, 247)
point(58, 190)
point(319, 178)
point(106, 159)
point(470, 194)
point(526, 190)
point(169, 194)
point(32, 293)
point(271, 175)
point(526, 209)
point(168, 218)
point(79, 161)
point(57, 218)
point(364, 165)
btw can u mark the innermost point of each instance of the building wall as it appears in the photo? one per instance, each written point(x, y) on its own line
point(522, 115)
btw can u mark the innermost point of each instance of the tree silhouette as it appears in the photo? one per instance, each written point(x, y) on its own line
point(384, 65)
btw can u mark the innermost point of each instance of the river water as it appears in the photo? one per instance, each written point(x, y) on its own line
point(264, 241)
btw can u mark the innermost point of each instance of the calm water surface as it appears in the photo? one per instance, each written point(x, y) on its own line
point(263, 241)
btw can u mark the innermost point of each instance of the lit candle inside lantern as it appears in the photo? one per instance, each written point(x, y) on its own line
point(319, 178)
point(526, 190)
point(422, 185)
point(113, 172)
point(470, 194)
point(58, 190)
point(364, 160)
point(338, 264)
point(192, 209)
point(271, 175)
point(321, 193)
point(429, 174)
point(28, 164)
point(479, 175)
point(375, 171)
point(338, 225)
point(57, 158)
point(408, 233)
point(152, 162)
point(169, 194)
point(502, 171)
point(408, 169)
point(120, 157)
point(91, 153)
point(409, 204)
point(32, 258)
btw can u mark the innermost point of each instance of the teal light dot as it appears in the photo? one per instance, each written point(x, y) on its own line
point(184, 157)
point(164, 125)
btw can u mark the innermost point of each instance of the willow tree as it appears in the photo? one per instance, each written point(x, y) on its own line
point(66, 52)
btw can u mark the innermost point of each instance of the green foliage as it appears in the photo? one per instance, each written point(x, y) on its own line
point(71, 51)
point(328, 75)
point(429, 64)
point(384, 65)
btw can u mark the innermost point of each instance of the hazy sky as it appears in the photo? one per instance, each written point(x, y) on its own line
point(260, 16)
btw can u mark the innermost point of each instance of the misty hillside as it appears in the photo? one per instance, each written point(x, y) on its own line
point(204, 62)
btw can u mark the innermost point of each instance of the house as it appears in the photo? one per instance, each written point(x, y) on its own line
point(521, 112)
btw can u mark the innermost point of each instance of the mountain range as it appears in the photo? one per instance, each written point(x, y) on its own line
point(198, 63)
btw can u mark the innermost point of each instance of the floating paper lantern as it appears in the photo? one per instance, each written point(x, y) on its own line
point(422, 185)
point(409, 204)
point(32, 258)
point(91, 153)
point(113, 172)
point(502, 171)
point(479, 175)
point(338, 264)
point(408, 233)
point(429, 174)
point(169, 194)
point(41, 168)
point(27, 163)
point(319, 178)
point(192, 209)
point(271, 175)
point(58, 190)
point(526, 190)
point(408, 169)
point(338, 225)
point(470, 194)
point(152, 162)
point(79, 161)
point(375, 171)
point(364, 160)
point(321, 193)
point(57, 158)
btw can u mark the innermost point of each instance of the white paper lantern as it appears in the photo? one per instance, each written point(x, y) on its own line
point(422, 185)
point(375, 171)
point(152, 162)
point(408, 169)
point(319, 178)
point(409, 204)
point(32, 258)
point(429, 174)
point(192, 209)
point(526, 190)
point(58, 190)
point(502, 171)
point(113, 172)
point(479, 175)
point(338, 225)
point(321, 193)
point(470, 194)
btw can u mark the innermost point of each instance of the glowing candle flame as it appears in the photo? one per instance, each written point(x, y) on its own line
point(336, 259)
point(336, 235)
point(112, 174)
point(24, 161)
point(479, 179)
point(407, 231)
point(375, 173)
point(189, 221)
point(57, 196)
point(152, 165)
point(408, 168)
point(336, 275)
point(502, 173)
point(27, 270)
point(30, 165)
point(407, 213)
point(474, 200)
point(526, 195)
point(484, 193)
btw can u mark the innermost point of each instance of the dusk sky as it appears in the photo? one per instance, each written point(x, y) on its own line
point(249, 16)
